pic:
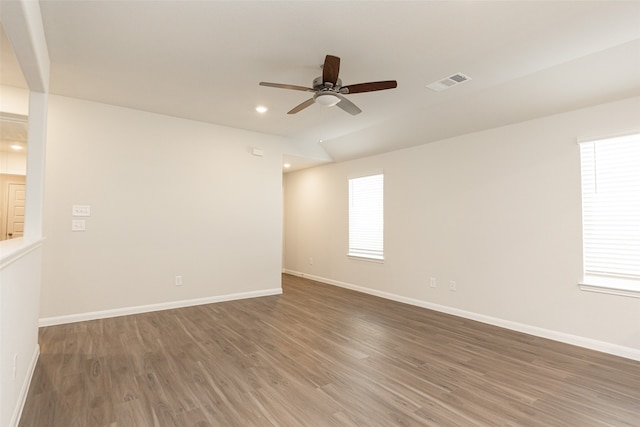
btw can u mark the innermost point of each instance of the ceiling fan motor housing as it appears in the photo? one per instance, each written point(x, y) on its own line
point(318, 84)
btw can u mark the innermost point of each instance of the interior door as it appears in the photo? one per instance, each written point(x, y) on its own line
point(15, 210)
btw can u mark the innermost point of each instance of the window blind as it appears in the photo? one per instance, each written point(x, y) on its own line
point(611, 207)
point(366, 217)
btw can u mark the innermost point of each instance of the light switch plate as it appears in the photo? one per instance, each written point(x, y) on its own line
point(78, 225)
point(81, 210)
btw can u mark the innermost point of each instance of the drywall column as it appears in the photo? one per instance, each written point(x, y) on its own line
point(38, 104)
point(21, 259)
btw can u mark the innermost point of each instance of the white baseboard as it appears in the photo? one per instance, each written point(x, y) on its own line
point(104, 314)
point(24, 390)
point(605, 347)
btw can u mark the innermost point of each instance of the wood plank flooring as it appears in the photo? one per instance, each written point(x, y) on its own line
point(318, 355)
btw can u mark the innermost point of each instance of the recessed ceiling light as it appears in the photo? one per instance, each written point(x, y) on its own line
point(261, 109)
point(286, 165)
point(16, 147)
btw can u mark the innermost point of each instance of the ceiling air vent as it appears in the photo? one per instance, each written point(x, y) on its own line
point(448, 82)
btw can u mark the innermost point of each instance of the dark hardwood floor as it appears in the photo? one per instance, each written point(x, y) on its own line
point(320, 356)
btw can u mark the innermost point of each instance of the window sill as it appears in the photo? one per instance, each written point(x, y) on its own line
point(378, 260)
point(611, 285)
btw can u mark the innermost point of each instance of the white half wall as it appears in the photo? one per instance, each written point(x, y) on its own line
point(20, 261)
point(498, 212)
point(169, 197)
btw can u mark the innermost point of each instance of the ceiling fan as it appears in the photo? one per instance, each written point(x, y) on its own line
point(329, 91)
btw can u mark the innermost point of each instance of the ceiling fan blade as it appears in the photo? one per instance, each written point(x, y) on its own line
point(330, 69)
point(302, 106)
point(348, 106)
point(370, 87)
point(283, 86)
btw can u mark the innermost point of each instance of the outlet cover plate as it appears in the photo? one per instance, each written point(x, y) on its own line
point(81, 210)
point(78, 225)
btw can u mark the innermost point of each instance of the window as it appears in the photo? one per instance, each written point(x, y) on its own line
point(611, 215)
point(366, 217)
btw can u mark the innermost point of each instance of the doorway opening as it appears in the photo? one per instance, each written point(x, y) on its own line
point(13, 171)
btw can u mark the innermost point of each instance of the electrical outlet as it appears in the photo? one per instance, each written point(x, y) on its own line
point(178, 280)
point(433, 282)
point(452, 285)
point(78, 225)
point(310, 261)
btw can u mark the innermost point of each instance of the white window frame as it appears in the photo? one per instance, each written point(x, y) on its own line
point(366, 218)
point(602, 271)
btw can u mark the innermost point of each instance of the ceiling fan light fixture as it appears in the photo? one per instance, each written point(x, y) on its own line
point(327, 99)
point(328, 89)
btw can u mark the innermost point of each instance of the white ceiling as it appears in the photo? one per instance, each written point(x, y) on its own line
point(202, 60)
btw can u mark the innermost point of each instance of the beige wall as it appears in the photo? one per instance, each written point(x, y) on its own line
point(498, 211)
point(14, 100)
point(168, 197)
point(13, 163)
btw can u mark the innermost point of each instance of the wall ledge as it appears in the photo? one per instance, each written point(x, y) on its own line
point(589, 343)
point(104, 314)
point(14, 249)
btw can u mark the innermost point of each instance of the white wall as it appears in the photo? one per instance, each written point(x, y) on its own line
point(497, 211)
point(168, 197)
